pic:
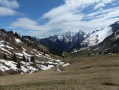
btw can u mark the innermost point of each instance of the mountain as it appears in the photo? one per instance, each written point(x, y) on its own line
point(112, 41)
point(96, 37)
point(19, 55)
point(59, 43)
point(74, 42)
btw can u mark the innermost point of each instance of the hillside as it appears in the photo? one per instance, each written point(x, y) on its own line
point(19, 55)
point(111, 43)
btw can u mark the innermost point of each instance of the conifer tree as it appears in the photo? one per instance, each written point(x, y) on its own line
point(18, 64)
point(14, 58)
point(4, 56)
point(32, 59)
point(24, 58)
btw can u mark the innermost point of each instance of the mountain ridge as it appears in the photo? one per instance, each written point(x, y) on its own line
point(59, 43)
point(78, 41)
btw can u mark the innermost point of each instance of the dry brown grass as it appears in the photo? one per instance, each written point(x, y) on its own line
point(89, 73)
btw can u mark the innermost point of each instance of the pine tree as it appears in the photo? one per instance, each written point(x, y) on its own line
point(16, 35)
point(116, 50)
point(18, 64)
point(5, 41)
point(32, 59)
point(24, 58)
point(4, 56)
point(14, 58)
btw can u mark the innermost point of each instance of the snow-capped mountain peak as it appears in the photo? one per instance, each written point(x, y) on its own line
point(97, 37)
point(65, 41)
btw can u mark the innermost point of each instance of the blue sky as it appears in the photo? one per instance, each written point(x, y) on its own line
point(42, 18)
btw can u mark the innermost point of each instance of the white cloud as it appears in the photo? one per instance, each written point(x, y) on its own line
point(102, 3)
point(85, 3)
point(69, 17)
point(6, 11)
point(99, 5)
point(25, 23)
point(7, 7)
point(9, 3)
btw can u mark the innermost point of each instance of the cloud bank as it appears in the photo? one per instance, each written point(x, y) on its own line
point(73, 15)
point(7, 7)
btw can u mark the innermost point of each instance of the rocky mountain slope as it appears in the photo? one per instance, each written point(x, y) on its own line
point(24, 55)
point(59, 43)
point(110, 43)
point(96, 37)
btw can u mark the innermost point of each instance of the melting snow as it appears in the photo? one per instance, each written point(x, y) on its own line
point(18, 40)
point(6, 50)
point(27, 55)
point(2, 45)
point(67, 64)
point(23, 49)
point(9, 47)
point(19, 54)
point(3, 68)
point(26, 68)
point(44, 67)
point(11, 64)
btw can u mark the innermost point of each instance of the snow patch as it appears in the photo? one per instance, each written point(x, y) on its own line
point(11, 64)
point(27, 55)
point(67, 64)
point(19, 54)
point(9, 47)
point(18, 40)
point(44, 67)
point(3, 68)
point(97, 37)
point(3, 49)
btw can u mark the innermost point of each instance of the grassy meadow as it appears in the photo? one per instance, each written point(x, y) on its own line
point(86, 73)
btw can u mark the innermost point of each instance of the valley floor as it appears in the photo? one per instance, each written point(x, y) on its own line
point(89, 73)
